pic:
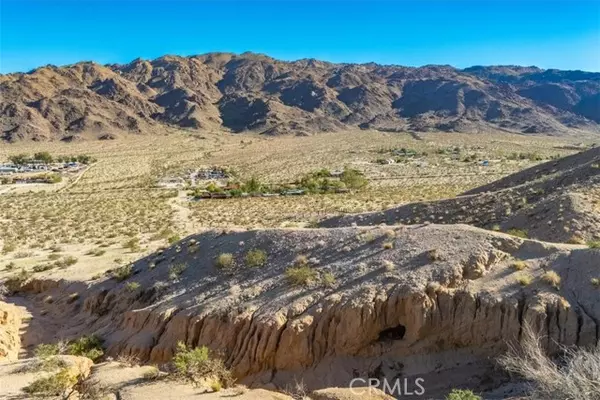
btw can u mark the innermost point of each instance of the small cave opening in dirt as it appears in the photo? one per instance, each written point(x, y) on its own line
point(394, 333)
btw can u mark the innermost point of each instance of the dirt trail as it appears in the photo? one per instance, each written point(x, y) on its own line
point(182, 217)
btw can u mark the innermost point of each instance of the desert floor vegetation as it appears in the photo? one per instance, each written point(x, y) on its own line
point(115, 210)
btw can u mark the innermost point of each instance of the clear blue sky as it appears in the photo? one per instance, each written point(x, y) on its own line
point(549, 34)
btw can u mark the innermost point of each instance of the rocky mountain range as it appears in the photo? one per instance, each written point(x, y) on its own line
point(253, 92)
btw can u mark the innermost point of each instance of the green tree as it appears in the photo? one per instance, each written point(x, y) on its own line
point(253, 186)
point(43, 156)
point(353, 179)
point(19, 159)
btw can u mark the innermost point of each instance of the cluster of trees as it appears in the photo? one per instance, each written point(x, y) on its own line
point(318, 182)
point(323, 181)
point(47, 158)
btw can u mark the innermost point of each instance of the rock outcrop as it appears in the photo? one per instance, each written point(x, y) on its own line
point(441, 297)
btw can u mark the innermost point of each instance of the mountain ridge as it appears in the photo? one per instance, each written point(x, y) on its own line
point(254, 92)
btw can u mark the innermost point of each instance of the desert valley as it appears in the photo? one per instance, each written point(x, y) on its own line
point(236, 226)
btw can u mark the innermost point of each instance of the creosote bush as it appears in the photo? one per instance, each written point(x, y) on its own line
point(58, 384)
point(194, 365)
point(122, 273)
point(462, 394)
point(256, 258)
point(86, 346)
point(301, 275)
point(224, 261)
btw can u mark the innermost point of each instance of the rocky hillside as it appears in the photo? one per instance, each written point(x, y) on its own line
point(327, 305)
point(252, 92)
point(556, 201)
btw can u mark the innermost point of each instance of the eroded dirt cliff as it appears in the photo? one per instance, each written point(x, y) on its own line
point(384, 301)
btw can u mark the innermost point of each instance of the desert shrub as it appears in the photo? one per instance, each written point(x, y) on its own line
point(353, 179)
point(173, 238)
point(65, 262)
point(96, 252)
point(388, 265)
point(216, 386)
point(574, 376)
point(328, 279)
point(576, 239)
point(44, 351)
point(193, 365)
point(132, 286)
point(518, 265)
point(176, 270)
point(367, 237)
point(300, 275)
point(151, 374)
point(54, 385)
point(10, 266)
point(224, 261)
point(524, 279)
point(8, 247)
point(86, 346)
point(42, 267)
point(122, 273)
point(17, 281)
point(300, 260)
point(551, 278)
point(522, 233)
point(462, 394)
point(256, 258)
point(132, 244)
point(594, 244)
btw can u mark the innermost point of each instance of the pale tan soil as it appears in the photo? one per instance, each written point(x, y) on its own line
point(14, 376)
point(458, 308)
point(554, 201)
point(115, 200)
point(451, 287)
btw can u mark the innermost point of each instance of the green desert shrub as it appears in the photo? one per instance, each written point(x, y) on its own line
point(194, 365)
point(462, 394)
point(256, 258)
point(224, 261)
point(52, 386)
point(132, 286)
point(86, 346)
point(176, 270)
point(300, 275)
point(518, 265)
point(522, 233)
point(122, 273)
point(594, 244)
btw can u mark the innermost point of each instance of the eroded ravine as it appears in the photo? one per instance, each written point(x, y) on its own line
point(429, 311)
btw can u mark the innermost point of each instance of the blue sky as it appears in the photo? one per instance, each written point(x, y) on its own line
point(549, 34)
